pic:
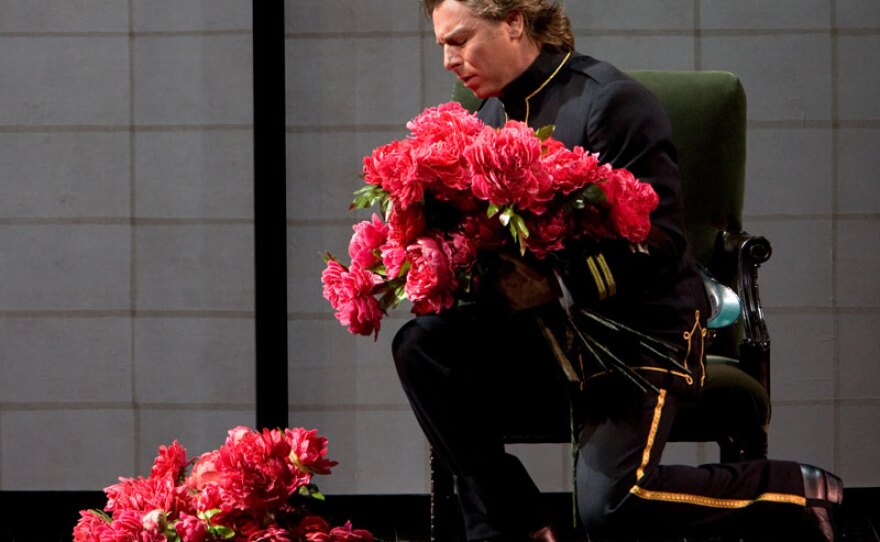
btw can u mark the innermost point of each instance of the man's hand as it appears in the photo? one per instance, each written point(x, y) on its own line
point(523, 286)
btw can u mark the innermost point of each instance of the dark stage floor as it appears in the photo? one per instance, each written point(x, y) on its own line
point(49, 516)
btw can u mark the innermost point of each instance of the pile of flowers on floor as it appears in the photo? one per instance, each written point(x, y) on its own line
point(456, 188)
point(254, 488)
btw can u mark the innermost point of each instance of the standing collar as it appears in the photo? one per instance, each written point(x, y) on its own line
point(516, 94)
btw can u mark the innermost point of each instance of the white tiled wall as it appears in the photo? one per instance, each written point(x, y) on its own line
point(126, 234)
point(357, 71)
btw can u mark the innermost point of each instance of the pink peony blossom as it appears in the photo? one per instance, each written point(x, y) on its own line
point(394, 258)
point(507, 169)
point(307, 451)
point(351, 294)
point(368, 237)
point(430, 282)
point(204, 472)
point(439, 137)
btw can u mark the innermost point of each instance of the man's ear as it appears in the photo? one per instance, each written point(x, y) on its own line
point(516, 25)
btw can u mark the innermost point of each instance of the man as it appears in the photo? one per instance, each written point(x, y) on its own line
point(463, 370)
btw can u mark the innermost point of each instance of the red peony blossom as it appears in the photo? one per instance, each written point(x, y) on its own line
point(430, 282)
point(631, 202)
point(404, 225)
point(256, 474)
point(345, 533)
point(271, 534)
point(191, 529)
point(129, 526)
point(171, 461)
point(210, 497)
point(392, 167)
point(241, 491)
point(146, 494)
point(91, 527)
point(507, 169)
point(368, 237)
point(312, 528)
point(571, 170)
point(462, 250)
point(307, 451)
point(547, 233)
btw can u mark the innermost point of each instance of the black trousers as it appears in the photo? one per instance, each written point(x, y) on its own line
point(472, 379)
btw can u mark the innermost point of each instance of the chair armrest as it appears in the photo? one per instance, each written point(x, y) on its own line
point(745, 253)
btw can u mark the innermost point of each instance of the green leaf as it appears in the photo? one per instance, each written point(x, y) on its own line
point(492, 210)
point(368, 196)
point(595, 195)
point(404, 269)
point(327, 257)
point(519, 224)
point(311, 491)
point(220, 531)
point(545, 132)
point(208, 514)
point(101, 514)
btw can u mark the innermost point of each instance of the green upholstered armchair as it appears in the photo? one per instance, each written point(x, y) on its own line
point(708, 114)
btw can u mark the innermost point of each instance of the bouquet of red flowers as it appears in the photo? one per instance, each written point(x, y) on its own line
point(251, 489)
point(455, 189)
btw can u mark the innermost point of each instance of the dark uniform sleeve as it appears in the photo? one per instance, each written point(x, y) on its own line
point(629, 129)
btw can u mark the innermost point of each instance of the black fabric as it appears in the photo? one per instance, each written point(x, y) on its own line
point(470, 380)
point(613, 443)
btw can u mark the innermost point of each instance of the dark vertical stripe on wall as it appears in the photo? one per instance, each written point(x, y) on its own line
point(270, 214)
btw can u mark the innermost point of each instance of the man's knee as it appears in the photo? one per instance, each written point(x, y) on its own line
point(419, 342)
point(599, 497)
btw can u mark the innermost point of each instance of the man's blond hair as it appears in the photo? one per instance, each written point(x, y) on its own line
point(545, 20)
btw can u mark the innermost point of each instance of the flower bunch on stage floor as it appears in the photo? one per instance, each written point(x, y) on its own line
point(254, 488)
point(456, 189)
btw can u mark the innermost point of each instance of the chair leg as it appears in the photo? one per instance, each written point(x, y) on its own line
point(444, 517)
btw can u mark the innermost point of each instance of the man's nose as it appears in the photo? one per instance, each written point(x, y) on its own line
point(451, 58)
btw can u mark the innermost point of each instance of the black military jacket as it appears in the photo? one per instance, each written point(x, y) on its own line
point(594, 105)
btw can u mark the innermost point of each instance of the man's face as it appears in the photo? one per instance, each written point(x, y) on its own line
point(484, 54)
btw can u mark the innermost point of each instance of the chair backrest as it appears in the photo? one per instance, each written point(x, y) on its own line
point(708, 114)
